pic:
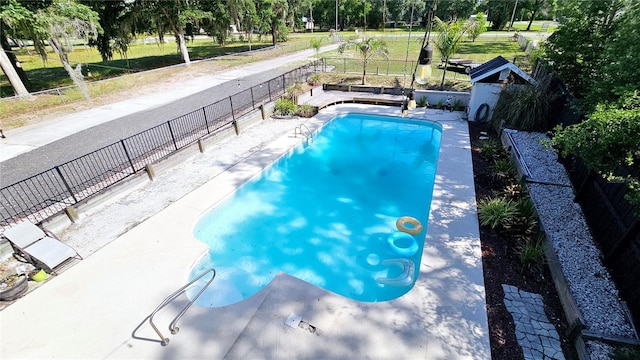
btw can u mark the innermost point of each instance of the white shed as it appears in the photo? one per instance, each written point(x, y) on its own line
point(487, 81)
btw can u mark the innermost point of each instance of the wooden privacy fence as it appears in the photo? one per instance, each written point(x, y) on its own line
point(613, 221)
point(614, 224)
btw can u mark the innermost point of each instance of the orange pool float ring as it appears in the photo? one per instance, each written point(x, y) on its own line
point(414, 227)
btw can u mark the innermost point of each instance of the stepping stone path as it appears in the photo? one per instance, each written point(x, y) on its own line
point(535, 333)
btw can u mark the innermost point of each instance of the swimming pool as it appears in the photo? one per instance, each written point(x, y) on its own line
point(323, 213)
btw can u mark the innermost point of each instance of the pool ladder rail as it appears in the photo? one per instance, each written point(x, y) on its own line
point(172, 326)
point(306, 133)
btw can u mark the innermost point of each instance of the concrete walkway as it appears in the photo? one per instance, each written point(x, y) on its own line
point(97, 308)
point(93, 308)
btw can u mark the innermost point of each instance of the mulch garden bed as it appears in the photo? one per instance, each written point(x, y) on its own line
point(502, 266)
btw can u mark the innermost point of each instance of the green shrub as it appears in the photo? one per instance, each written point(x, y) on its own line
point(489, 148)
point(285, 107)
point(525, 223)
point(306, 111)
point(525, 107)
point(503, 169)
point(457, 105)
point(497, 213)
point(527, 208)
point(516, 191)
point(294, 91)
point(314, 79)
point(531, 254)
point(422, 102)
point(608, 140)
point(626, 353)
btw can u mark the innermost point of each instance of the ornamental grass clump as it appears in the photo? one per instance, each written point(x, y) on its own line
point(511, 212)
point(531, 253)
point(497, 213)
point(503, 169)
point(525, 107)
point(285, 107)
point(489, 148)
point(516, 190)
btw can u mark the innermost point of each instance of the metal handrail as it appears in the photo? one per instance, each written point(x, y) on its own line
point(174, 329)
point(298, 129)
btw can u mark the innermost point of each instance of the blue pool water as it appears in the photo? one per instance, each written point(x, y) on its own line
point(323, 212)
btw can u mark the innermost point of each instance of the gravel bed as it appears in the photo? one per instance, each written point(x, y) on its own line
point(589, 281)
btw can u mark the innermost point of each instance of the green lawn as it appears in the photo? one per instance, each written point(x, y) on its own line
point(403, 53)
point(401, 62)
point(50, 74)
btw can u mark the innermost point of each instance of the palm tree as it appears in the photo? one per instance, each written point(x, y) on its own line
point(448, 40)
point(366, 48)
point(316, 43)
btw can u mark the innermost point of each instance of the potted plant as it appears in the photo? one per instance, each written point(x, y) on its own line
point(13, 287)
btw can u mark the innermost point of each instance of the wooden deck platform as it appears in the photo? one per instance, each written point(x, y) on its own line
point(321, 98)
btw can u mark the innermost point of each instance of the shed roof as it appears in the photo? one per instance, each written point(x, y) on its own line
point(495, 66)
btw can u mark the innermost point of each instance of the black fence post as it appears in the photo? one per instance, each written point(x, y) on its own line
point(253, 101)
point(269, 89)
point(173, 137)
point(126, 152)
point(206, 121)
point(66, 184)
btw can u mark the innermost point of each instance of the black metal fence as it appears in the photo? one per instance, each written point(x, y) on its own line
point(50, 192)
point(395, 68)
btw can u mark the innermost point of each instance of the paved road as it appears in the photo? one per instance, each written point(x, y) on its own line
point(30, 150)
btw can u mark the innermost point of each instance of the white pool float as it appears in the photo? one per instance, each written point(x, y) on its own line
point(406, 276)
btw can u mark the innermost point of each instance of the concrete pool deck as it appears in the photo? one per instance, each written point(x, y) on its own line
point(97, 308)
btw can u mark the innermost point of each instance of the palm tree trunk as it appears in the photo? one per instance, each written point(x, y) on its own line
point(444, 72)
point(364, 72)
